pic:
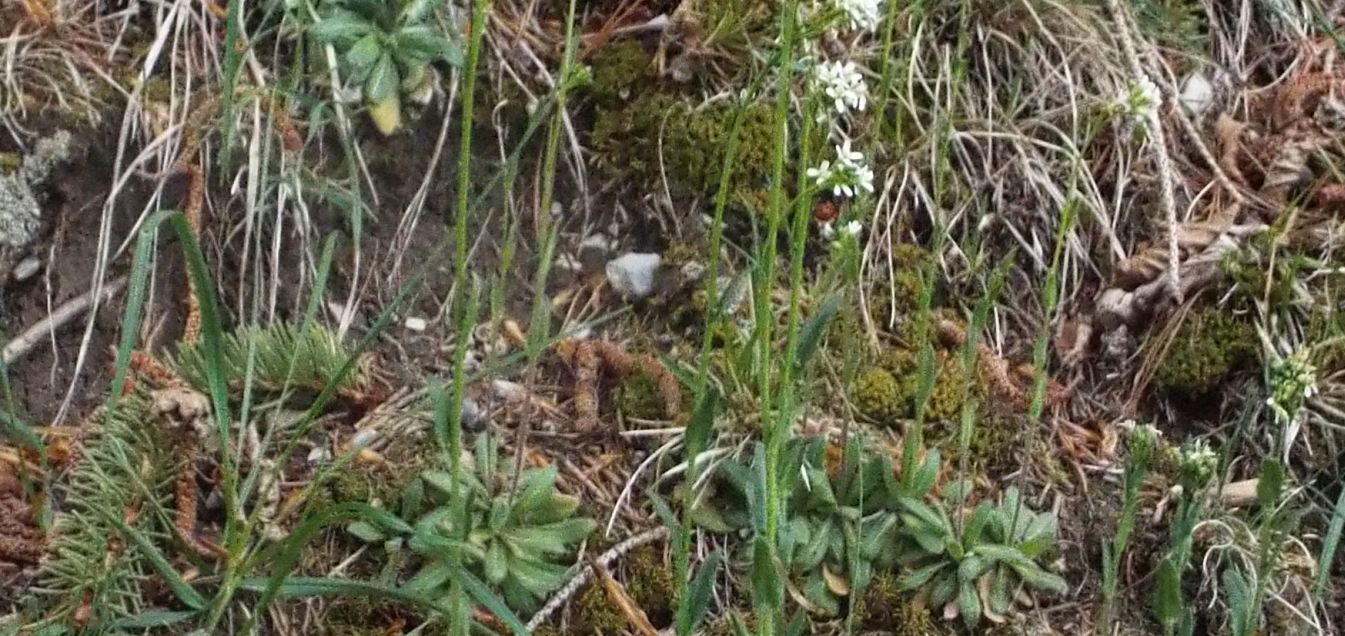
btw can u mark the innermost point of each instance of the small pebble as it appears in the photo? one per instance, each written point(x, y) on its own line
point(632, 275)
point(1197, 93)
point(416, 324)
point(27, 268)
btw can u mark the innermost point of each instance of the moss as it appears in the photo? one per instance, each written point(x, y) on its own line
point(366, 616)
point(886, 391)
point(993, 444)
point(899, 361)
point(650, 581)
point(10, 162)
point(1207, 347)
point(593, 613)
point(374, 483)
point(617, 68)
point(951, 388)
point(692, 141)
point(880, 396)
point(884, 607)
point(897, 295)
point(639, 397)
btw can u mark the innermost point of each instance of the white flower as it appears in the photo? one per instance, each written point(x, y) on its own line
point(848, 175)
point(862, 14)
point(821, 175)
point(853, 228)
point(845, 156)
point(852, 173)
point(1142, 100)
point(843, 84)
point(864, 178)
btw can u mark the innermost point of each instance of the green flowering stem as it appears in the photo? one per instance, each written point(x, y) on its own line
point(1141, 444)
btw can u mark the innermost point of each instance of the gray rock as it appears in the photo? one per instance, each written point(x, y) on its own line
point(632, 275)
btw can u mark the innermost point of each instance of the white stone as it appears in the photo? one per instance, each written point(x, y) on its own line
point(1197, 93)
point(632, 275)
point(416, 324)
point(27, 268)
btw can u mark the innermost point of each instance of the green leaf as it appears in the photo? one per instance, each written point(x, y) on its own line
point(813, 546)
point(1002, 554)
point(944, 588)
point(810, 335)
point(412, 499)
point(383, 80)
point(1168, 602)
point(552, 539)
point(538, 577)
point(418, 45)
point(497, 563)
point(365, 531)
point(499, 514)
point(1034, 576)
point(1240, 610)
point(925, 514)
point(979, 518)
point(666, 514)
point(931, 540)
point(692, 610)
point(439, 480)
point(150, 619)
point(972, 567)
point(1270, 484)
point(917, 579)
point(707, 516)
point(417, 10)
point(999, 591)
point(430, 578)
point(535, 487)
point(877, 536)
point(1333, 532)
point(970, 602)
point(767, 590)
point(340, 27)
point(702, 422)
point(362, 56)
point(556, 506)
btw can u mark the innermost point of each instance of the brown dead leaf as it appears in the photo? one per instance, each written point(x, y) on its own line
point(835, 582)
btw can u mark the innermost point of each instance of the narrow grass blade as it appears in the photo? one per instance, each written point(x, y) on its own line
point(477, 589)
point(293, 545)
point(179, 586)
point(1329, 545)
point(151, 619)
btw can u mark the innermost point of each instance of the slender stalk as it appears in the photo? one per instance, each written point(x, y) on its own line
point(774, 416)
point(459, 624)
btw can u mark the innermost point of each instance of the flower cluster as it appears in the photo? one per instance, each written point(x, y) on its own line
point(1292, 381)
point(842, 90)
point(861, 14)
point(1142, 100)
point(1196, 464)
point(848, 175)
point(843, 85)
point(1142, 441)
